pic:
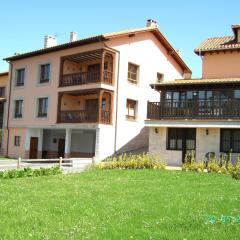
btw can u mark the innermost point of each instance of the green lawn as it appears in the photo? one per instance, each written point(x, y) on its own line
point(127, 204)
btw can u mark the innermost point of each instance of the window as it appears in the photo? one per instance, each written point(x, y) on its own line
point(20, 76)
point(42, 107)
point(132, 73)
point(236, 93)
point(174, 139)
point(230, 140)
point(131, 108)
point(44, 73)
point(160, 77)
point(17, 140)
point(179, 138)
point(104, 104)
point(18, 109)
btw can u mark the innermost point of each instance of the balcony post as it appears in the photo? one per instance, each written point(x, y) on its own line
point(100, 106)
point(59, 107)
point(102, 67)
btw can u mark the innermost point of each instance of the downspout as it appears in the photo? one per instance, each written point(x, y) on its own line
point(8, 110)
point(116, 117)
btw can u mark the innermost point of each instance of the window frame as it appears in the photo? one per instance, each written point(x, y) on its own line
point(42, 114)
point(181, 134)
point(15, 114)
point(131, 80)
point(128, 102)
point(44, 80)
point(17, 141)
point(178, 136)
point(17, 83)
point(231, 141)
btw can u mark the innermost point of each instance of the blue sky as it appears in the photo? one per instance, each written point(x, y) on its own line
point(186, 23)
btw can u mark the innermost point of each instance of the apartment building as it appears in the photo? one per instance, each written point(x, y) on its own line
point(201, 115)
point(87, 97)
point(3, 84)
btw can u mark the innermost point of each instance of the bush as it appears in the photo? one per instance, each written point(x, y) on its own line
point(190, 163)
point(140, 161)
point(29, 172)
point(223, 164)
point(236, 171)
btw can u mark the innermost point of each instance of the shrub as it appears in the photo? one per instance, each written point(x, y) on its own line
point(223, 164)
point(140, 161)
point(236, 170)
point(29, 172)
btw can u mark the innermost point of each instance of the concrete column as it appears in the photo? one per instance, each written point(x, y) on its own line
point(40, 142)
point(68, 138)
point(97, 146)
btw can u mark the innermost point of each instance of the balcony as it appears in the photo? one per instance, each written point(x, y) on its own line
point(84, 116)
point(194, 109)
point(89, 106)
point(85, 78)
point(87, 67)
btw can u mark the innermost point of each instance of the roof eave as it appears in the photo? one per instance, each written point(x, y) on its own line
point(98, 38)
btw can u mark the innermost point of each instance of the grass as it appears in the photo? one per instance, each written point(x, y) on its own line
point(6, 158)
point(115, 204)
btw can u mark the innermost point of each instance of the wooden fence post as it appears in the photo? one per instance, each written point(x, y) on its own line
point(19, 163)
point(60, 162)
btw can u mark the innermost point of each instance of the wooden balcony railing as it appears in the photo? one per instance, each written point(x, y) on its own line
point(85, 78)
point(194, 109)
point(84, 116)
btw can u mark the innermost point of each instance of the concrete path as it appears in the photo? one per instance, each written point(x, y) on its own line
point(78, 164)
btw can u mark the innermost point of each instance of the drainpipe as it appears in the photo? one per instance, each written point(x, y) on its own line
point(116, 118)
point(8, 110)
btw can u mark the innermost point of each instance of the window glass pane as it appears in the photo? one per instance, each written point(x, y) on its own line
point(189, 94)
point(168, 95)
point(179, 144)
point(44, 73)
point(236, 141)
point(132, 72)
point(18, 108)
point(237, 93)
point(42, 107)
point(225, 140)
point(182, 95)
point(175, 95)
point(209, 94)
point(131, 109)
point(201, 95)
point(20, 77)
point(172, 143)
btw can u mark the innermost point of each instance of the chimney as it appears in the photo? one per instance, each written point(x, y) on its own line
point(50, 41)
point(151, 23)
point(236, 31)
point(179, 52)
point(73, 36)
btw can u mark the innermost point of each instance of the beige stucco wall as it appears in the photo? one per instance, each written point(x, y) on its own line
point(17, 151)
point(221, 65)
point(157, 145)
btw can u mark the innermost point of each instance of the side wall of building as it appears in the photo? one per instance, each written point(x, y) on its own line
point(221, 65)
point(147, 52)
